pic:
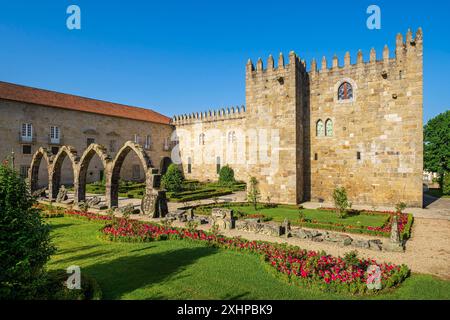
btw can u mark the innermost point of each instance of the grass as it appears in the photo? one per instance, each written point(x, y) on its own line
point(281, 212)
point(186, 270)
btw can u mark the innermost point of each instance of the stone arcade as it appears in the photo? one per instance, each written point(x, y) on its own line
point(153, 203)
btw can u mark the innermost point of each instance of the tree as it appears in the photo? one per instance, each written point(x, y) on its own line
point(226, 176)
point(25, 244)
point(341, 201)
point(253, 193)
point(437, 146)
point(173, 179)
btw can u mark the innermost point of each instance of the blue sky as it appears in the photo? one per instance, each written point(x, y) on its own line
point(185, 56)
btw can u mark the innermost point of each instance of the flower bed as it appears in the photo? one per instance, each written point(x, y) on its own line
point(49, 211)
point(295, 265)
point(302, 267)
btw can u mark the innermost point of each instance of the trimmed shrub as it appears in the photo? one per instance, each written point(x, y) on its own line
point(25, 244)
point(173, 179)
point(226, 176)
point(446, 184)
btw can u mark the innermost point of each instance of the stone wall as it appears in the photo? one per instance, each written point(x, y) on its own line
point(375, 150)
point(75, 128)
point(383, 122)
point(202, 153)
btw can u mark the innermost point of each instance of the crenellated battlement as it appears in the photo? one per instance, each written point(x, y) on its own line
point(404, 48)
point(293, 59)
point(210, 116)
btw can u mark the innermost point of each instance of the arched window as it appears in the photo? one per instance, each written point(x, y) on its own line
point(320, 130)
point(201, 139)
point(345, 91)
point(329, 128)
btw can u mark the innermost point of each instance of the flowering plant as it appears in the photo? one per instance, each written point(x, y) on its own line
point(296, 265)
point(291, 263)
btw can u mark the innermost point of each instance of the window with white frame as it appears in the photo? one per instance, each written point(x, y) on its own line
point(148, 142)
point(54, 134)
point(137, 139)
point(231, 137)
point(27, 131)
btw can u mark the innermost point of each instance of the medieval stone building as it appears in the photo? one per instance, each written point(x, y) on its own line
point(302, 132)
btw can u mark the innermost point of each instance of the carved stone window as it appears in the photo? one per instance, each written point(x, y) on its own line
point(329, 128)
point(320, 129)
point(345, 91)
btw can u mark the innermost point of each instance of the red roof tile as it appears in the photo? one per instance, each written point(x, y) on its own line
point(10, 91)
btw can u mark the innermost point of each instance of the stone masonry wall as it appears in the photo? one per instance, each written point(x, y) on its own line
point(383, 122)
point(75, 128)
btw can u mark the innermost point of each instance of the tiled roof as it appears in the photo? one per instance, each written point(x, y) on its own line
point(10, 91)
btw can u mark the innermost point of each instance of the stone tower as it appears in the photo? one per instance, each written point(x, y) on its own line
point(275, 104)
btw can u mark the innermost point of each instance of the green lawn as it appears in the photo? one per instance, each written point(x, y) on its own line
point(185, 270)
point(281, 212)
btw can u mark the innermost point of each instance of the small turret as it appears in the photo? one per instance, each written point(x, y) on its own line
point(324, 64)
point(292, 58)
point(408, 37)
point(373, 56)
point(359, 60)
point(281, 61)
point(270, 63)
point(347, 59)
point(250, 66)
point(259, 65)
point(335, 62)
point(386, 54)
point(399, 46)
point(314, 66)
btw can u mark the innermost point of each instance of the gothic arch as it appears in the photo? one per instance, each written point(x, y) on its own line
point(88, 154)
point(113, 175)
point(55, 170)
point(33, 173)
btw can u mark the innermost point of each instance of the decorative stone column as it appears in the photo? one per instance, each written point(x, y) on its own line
point(395, 244)
point(154, 202)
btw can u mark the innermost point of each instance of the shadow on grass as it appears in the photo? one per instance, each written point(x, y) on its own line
point(54, 227)
point(81, 257)
point(77, 249)
point(126, 274)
